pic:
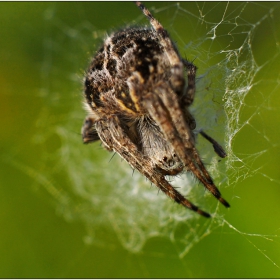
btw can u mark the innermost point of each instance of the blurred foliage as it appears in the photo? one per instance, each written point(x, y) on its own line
point(35, 242)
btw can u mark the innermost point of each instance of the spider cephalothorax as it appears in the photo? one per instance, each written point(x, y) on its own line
point(137, 97)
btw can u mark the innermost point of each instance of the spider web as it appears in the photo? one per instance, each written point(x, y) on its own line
point(236, 103)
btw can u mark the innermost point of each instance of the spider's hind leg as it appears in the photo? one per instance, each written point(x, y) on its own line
point(190, 91)
point(89, 134)
point(217, 147)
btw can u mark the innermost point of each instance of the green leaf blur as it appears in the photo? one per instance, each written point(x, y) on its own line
point(44, 51)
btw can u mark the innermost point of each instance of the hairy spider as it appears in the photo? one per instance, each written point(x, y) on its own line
point(137, 98)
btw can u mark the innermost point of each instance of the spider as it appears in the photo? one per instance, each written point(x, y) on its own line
point(137, 98)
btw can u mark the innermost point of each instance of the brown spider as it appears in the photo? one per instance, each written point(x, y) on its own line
point(138, 101)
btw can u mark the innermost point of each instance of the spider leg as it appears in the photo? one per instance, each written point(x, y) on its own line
point(164, 108)
point(89, 133)
point(177, 81)
point(113, 134)
point(165, 40)
point(188, 100)
point(190, 92)
point(217, 147)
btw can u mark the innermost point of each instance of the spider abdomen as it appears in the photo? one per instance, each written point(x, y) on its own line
point(125, 54)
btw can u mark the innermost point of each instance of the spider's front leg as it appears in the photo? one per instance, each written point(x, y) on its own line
point(163, 106)
point(113, 134)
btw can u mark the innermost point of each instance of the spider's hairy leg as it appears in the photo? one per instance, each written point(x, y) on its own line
point(170, 100)
point(173, 126)
point(217, 147)
point(190, 91)
point(210, 186)
point(165, 40)
point(177, 81)
point(188, 100)
point(170, 104)
point(89, 133)
point(113, 134)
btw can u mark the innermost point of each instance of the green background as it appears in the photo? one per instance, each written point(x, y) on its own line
point(42, 58)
